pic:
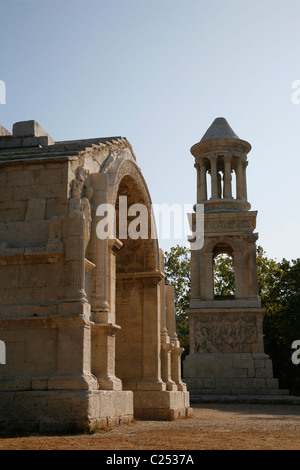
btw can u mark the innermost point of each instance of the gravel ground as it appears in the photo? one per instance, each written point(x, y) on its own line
point(211, 427)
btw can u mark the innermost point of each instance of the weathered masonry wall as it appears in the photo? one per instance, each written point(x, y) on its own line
point(82, 350)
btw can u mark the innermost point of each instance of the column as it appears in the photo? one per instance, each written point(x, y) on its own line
point(252, 264)
point(198, 182)
point(239, 179)
point(73, 371)
point(98, 252)
point(151, 369)
point(245, 164)
point(239, 275)
point(202, 189)
point(214, 177)
point(103, 355)
point(227, 177)
point(165, 338)
point(207, 277)
point(176, 350)
point(74, 241)
point(195, 269)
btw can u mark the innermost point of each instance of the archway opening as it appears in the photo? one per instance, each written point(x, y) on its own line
point(223, 272)
point(134, 262)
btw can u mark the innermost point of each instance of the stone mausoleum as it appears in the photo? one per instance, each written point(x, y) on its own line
point(87, 323)
point(226, 336)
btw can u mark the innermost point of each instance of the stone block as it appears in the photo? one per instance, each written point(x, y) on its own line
point(242, 363)
point(25, 234)
point(6, 193)
point(263, 372)
point(14, 211)
point(51, 176)
point(42, 275)
point(6, 406)
point(239, 372)
point(29, 129)
point(23, 193)
point(30, 406)
point(39, 383)
point(20, 178)
point(57, 190)
point(251, 372)
point(35, 209)
point(9, 276)
point(259, 383)
point(272, 383)
point(224, 383)
point(268, 364)
point(259, 362)
point(209, 383)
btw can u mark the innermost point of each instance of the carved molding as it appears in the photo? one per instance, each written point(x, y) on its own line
point(228, 224)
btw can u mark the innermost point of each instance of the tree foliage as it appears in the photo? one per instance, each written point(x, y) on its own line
point(178, 274)
point(279, 289)
point(223, 275)
point(279, 285)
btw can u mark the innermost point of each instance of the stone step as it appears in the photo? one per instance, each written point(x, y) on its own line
point(238, 392)
point(259, 399)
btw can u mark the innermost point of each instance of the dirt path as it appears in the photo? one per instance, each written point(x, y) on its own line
point(211, 427)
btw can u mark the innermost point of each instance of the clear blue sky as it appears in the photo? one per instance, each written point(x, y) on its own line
point(158, 73)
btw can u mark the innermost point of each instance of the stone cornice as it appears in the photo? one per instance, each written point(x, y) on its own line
point(64, 150)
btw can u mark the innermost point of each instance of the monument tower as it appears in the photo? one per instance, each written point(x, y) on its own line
point(226, 337)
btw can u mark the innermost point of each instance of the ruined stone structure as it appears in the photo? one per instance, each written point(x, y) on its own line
point(87, 322)
point(226, 337)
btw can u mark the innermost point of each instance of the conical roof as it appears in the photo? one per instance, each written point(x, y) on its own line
point(220, 129)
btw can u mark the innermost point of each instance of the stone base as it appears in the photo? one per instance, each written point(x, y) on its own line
point(280, 399)
point(63, 411)
point(230, 374)
point(161, 405)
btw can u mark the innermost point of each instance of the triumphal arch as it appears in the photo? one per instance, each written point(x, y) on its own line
point(85, 316)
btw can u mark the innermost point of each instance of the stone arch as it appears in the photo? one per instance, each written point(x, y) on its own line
point(224, 286)
point(127, 298)
point(127, 179)
point(124, 273)
point(137, 286)
point(222, 241)
point(205, 259)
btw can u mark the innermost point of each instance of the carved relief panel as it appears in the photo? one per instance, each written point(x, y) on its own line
point(224, 333)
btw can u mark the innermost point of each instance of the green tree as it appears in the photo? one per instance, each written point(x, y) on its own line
point(178, 274)
point(280, 295)
point(223, 275)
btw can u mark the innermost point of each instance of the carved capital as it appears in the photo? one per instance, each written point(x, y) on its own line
point(251, 237)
